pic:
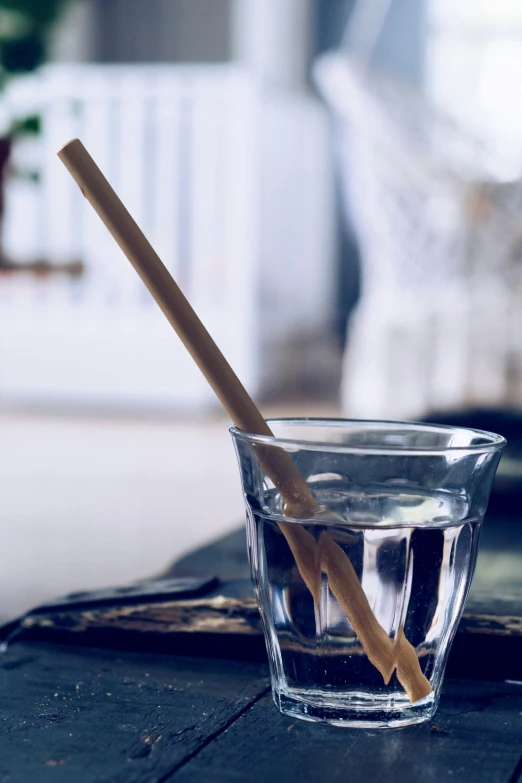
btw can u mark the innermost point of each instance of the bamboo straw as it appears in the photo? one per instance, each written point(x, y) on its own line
point(311, 556)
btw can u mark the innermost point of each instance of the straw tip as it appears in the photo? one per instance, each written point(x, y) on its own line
point(70, 144)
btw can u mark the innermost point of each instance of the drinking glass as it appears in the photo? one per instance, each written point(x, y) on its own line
point(360, 596)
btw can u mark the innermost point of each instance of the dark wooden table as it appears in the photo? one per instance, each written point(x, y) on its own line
point(74, 712)
point(168, 680)
point(85, 715)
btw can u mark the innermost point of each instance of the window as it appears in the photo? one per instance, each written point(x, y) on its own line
point(474, 66)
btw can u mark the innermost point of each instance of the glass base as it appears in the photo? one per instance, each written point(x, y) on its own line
point(355, 710)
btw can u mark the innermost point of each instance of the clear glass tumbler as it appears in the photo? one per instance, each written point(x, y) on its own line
point(362, 540)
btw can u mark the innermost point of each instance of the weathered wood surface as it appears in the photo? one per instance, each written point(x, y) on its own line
point(222, 615)
point(87, 716)
point(221, 611)
point(476, 736)
point(74, 715)
point(488, 644)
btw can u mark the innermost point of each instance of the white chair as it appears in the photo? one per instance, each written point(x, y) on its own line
point(438, 220)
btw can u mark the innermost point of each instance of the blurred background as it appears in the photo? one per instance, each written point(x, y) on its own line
point(336, 187)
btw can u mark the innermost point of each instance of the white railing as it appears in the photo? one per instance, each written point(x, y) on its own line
point(204, 163)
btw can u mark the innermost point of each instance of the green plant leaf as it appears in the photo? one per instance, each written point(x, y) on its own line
point(22, 54)
point(27, 126)
point(41, 13)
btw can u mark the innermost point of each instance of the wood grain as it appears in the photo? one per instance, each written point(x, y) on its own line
point(94, 716)
point(476, 736)
point(87, 716)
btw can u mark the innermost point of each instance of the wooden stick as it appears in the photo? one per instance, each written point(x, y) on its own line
point(311, 556)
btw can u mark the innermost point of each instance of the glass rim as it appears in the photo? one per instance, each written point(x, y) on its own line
point(494, 442)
